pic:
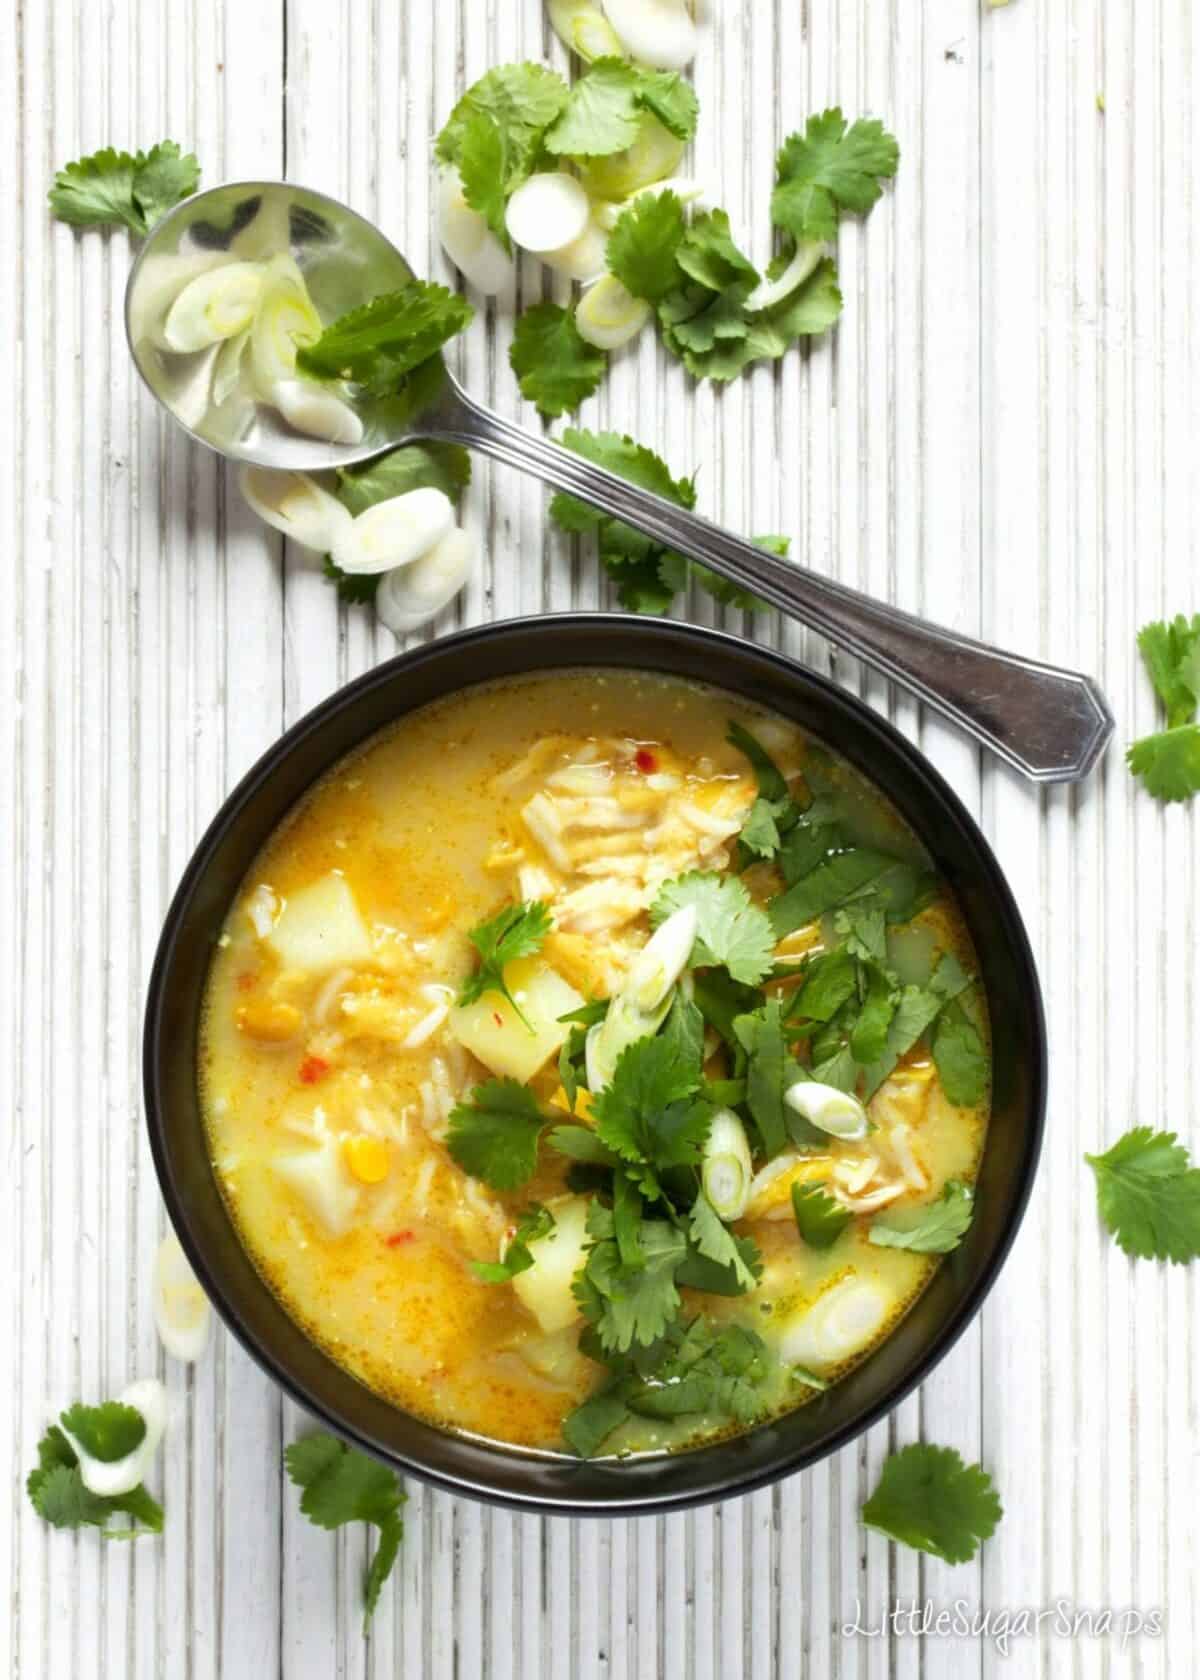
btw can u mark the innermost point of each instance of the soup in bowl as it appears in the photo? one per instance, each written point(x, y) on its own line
point(594, 1067)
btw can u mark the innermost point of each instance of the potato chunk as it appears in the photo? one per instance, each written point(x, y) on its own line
point(545, 1288)
point(319, 1177)
point(319, 927)
point(491, 1029)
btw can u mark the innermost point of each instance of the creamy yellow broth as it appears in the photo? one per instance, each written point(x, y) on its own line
point(327, 1082)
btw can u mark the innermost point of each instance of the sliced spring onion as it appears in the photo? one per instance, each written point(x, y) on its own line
point(659, 33)
point(688, 192)
point(661, 961)
point(608, 316)
point(833, 1111)
point(227, 369)
point(285, 320)
point(122, 1475)
point(292, 503)
point(770, 292)
point(214, 306)
point(584, 258)
point(409, 596)
point(395, 532)
point(583, 28)
point(160, 279)
point(316, 412)
point(547, 211)
point(653, 156)
point(182, 1313)
point(468, 241)
point(727, 1170)
point(840, 1323)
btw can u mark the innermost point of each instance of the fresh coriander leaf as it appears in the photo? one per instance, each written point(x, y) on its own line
point(728, 593)
point(869, 1034)
point(537, 1221)
point(936, 1228)
point(767, 773)
point(518, 930)
point(829, 981)
point(917, 1009)
point(699, 1272)
point(339, 1485)
point(1149, 1196)
point(819, 1219)
point(387, 338)
point(929, 1499)
point(490, 165)
point(588, 1014)
point(414, 466)
point(620, 455)
point(643, 246)
point(628, 1305)
point(708, 255)
point(602, 114)
point(683, 1031)
point(864, 929)
point(829, 168)
point(111, 188)
point(628, 1211)
point(495, 135)
point(771, 1071)
point(572, 1064)
point(838, 1069)
point(731, 930)
point(666, 95)
point(494, 1136)
point(704, 1370)
point(720, 999)
point(58, 1495)
point(963, 1065)
point(717, 1243)
point(580, 1143)
point(642, 1114)
point(1168, 764)
point(556, 367)
point(356, 589)
point(760, 831)
point(1172, 657)
point(811, 309)
point(106, 1432)
point(826, 887)
point(587, 1428)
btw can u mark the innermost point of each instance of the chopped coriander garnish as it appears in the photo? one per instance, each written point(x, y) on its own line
point(519, 930)
point(494, 1135)
point(537, 1221)
point(963, 1064)
point(555, 367)
point(929, 1499)
point(731, 930)
point(495, 135)
point(377, 345)
point(771, 1071)
point(832, 167)
point(124, 189)
point(625, 1302)
point(604, 109)
point(1149, 1196)
point(936, 1228)
point(340, 1485)
point(107, 1432)
point(1168, 764)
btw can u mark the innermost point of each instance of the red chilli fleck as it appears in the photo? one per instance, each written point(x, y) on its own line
point(313, 1068)
point(398, 1237)
point(646, 761)
point(497, 1017)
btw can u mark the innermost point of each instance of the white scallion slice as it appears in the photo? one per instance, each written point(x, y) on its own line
point(182, 1313)
point(468, 241)
point(227, 369)
point(608, 316)
point(410, 596)
point(658, 33)
point(727, 1169)
point(122, 1475)
point(547, 212)
point(584, 258)
point(394, 533)
point(770, 292)
point(214, 306)
point(661, 961)
point(583, 28)
point(286, 319)
point(654, 156)
point(318, 413)
point(830, 1110)
point(292, 503)
point(843, 1321)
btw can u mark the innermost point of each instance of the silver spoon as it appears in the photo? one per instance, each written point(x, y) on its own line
point(1051, 725)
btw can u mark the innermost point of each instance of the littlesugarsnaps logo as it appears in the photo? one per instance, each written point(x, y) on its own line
point(924, 1619)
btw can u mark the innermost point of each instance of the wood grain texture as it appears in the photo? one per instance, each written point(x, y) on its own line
point(1002, 433)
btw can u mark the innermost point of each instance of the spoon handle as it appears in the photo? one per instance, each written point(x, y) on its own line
point(1051, 725)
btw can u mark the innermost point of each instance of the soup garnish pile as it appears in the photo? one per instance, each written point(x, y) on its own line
point(592, 1060)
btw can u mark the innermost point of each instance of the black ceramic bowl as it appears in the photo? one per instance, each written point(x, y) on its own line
point(483, 1469)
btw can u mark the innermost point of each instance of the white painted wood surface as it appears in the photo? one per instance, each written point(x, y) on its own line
point(1003, 432)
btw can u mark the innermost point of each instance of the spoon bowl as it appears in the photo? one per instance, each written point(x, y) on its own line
point(1051, 725)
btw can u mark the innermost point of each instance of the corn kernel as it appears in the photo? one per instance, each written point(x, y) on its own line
point(367, 1157)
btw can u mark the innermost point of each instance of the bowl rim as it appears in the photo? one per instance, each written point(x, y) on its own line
point(618, 626)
